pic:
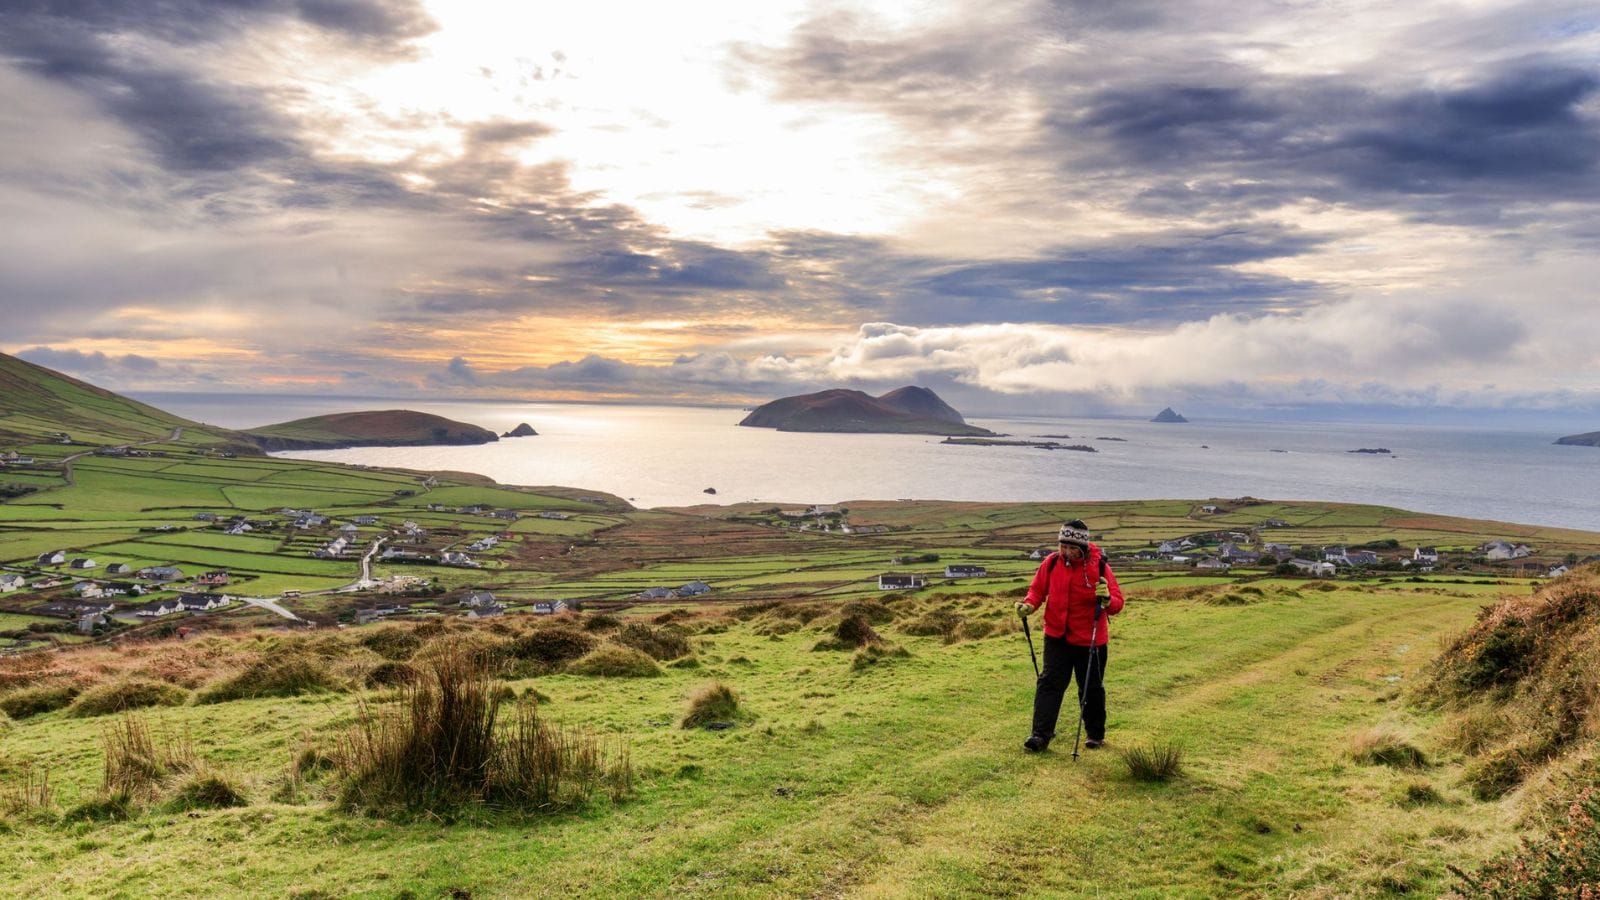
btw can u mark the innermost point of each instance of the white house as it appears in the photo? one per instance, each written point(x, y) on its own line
point(888, 582)
point(11, 582)
point(1313, 567)
point(965, 572)
point(53, 558)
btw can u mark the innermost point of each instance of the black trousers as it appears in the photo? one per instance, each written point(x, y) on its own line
point(1064, 662)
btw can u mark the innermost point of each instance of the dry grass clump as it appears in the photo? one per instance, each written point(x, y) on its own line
point(601, 622)
point(27, 795)
point(136, 761)
point(1155, 762)
point(281, 675)
point(1381, 746)
point(487, 650)
point(664, 643)
point(553, 645)
point(29, 670)
point(716, 702)
point(616, 661)
point(124, 695)
point(446, 748)
point(392, 674)
point(393, 642)
point(32, 701)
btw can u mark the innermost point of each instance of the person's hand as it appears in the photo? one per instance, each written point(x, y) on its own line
point(1023, 608)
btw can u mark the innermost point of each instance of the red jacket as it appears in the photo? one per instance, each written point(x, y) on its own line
point(1071, 590)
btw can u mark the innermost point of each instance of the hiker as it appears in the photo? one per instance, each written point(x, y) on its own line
point(1067, 584)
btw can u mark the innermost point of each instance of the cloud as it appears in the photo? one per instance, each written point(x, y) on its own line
point(70, 360)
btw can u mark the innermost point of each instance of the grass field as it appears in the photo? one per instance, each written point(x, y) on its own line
point(905, 778)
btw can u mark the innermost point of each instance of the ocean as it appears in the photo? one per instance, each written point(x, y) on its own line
point(668, 456)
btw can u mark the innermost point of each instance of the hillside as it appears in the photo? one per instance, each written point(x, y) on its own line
point(376, 428)
point(1591, 439)
point(37, 404)
point(906, 410)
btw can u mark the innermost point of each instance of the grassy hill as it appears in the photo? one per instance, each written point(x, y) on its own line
point(376, 428)
point(36, 404)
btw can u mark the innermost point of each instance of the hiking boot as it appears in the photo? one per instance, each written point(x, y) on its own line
point(1035, 743)
point(1094, 743)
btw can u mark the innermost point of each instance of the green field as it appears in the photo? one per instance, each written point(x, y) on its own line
point(905, 779)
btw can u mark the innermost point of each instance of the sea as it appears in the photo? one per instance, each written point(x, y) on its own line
point(667, 456)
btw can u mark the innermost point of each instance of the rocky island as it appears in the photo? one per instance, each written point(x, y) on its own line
point(1591, 439)
point(1168, 416)
point(906, 410)
point(523, 430)
point(377, 428)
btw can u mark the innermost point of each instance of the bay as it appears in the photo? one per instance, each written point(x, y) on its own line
point(668, 455)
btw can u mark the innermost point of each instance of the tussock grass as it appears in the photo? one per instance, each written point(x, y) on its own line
point(205, 788)
point(286, 675)
point(934, 623)
point(601, 622)
point(137, 761)
point(1153, 762)
point(664, 643)
point(445, 749)
point(32, 701)
point(616, 661)
point(855, 631)
point(393, 642)
point(27, 794)
point(124, 695)
point(1419, 793)
point(876, 654)
point(553, 645)
point(391, 674)
point(871, 610)
point(716, 702)
point(1382, 746)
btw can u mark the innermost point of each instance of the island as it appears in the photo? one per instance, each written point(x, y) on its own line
point(906, 410)
point(377, 428)
point(1592, 439)
point(1377, 450)
point(992, 442)
point(1169, 416)
point(523, 430)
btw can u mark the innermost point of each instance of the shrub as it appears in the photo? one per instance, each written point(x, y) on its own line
point(1156, 762)
point(444, 748)
point(616, 661)
point(553, 645)
point(659, 643)
point(1564, 863)
point(32, 701)
point(716, 702)
point(288, 675)
point(205, 789)
point(121, 696)
point(393, 642)
point(1383, 747)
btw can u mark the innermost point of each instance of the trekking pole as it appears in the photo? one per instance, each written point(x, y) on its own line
point(1083, 683)
point(1029, 633)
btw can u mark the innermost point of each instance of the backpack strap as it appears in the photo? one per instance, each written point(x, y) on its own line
point(1055, 560)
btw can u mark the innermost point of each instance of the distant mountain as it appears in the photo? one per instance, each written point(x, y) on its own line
point(907, 410)
point(1592, 439)
point(379, 428)
point(38, 404)
point(1168, 416)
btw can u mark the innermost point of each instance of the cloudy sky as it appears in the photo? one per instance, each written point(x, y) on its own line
point(1243, 207)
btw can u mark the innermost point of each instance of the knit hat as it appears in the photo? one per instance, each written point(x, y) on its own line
point(1075, 532)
